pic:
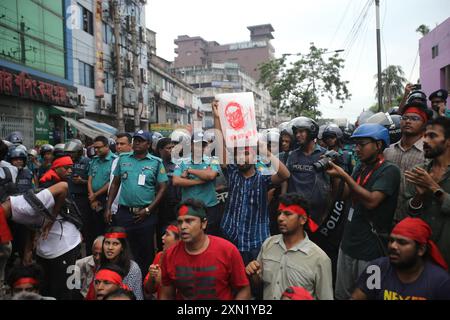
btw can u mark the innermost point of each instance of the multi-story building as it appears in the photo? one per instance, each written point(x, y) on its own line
point(435, 58)
point(212, 68)
point(95, 61)
point(195, 51)
point(172, 101)
point(210, 80)
point(36, 70)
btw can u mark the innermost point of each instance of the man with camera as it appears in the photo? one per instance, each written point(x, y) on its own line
point(373, 189)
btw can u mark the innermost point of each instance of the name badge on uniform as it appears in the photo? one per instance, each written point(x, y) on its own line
point(141, 180)
point(350, 214)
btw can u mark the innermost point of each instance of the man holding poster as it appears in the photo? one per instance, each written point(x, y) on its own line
point(246, 218)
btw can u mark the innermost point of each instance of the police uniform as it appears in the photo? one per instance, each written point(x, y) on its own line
point(100, 171)
point(139, 179)
point(24, 180)
point(441, 94)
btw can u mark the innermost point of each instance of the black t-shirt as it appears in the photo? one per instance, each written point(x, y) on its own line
point(432, 284)
point(359, 242)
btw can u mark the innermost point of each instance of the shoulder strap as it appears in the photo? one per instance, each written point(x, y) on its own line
point(37, 205)
point(8, 176)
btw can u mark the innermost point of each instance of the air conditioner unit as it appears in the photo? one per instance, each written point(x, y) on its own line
point(102, 104)
point(81, 100)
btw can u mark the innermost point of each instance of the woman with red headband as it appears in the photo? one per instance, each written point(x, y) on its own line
point(152, 281)
point(116, 250)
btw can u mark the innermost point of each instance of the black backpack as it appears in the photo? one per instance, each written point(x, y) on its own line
point(7, 186)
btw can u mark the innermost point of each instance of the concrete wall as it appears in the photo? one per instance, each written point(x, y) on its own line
point(434, 73)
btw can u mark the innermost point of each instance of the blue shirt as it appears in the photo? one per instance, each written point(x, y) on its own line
point(100, 170)
point(312, 185)
point(205, 192)
point(129, 169)
point(246, 218)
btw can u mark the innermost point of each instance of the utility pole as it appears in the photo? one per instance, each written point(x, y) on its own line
point(380, 85)
point(119, 75)
point(136, 75)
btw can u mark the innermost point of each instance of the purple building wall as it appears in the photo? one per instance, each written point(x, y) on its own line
point(435, 72)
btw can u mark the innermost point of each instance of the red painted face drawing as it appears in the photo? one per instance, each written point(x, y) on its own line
point(235, 116)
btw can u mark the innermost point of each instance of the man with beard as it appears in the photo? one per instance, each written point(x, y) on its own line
point(427, 193)
point(373, 190)
point(414, 270)
point(246, 218)
point(408, 152)
point(291, 259)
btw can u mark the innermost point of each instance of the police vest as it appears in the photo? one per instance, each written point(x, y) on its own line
point(24, 180)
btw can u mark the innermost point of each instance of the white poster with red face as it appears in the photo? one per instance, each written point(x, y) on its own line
point(237, 118)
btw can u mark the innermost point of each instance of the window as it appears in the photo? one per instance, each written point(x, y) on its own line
point(109, 82)
point(107, 33)
point(86, 77)
point(86, 20)
point(435, 51)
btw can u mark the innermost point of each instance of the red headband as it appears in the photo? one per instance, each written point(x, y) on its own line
point(417, 111)
point(32, 281)
point(418, 230)
point(297, 293)
point(116, 235)
point(61, 162)
point(296, 209)
point(109, 275)
point(173, 229)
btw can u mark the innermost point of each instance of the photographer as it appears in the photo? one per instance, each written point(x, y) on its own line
point(374, 189)
point(333, 137)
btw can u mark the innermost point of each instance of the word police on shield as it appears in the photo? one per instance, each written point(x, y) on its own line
point(237, 118)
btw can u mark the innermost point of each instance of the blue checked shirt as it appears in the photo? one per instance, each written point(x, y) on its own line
point(246, 218)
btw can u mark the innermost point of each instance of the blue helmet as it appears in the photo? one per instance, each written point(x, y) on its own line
point(374, 131)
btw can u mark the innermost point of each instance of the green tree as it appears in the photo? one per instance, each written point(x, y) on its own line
point(393, 83)
point(296, 87)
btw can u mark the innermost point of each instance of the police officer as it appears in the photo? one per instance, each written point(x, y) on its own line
point(46, 153)
point(78, 187)
point(24, 180)
point(438, 101)
point(143, 180)
point(304, 180)
point(59, 151)
point(98, 183)
point(15, 138)
point(333, 136)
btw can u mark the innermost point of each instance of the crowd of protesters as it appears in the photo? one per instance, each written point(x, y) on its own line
point(310, 213)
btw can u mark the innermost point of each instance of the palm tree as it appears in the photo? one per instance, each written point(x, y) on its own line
point(393, 83)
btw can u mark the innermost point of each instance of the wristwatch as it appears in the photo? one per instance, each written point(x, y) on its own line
point(147, 211)
point(438, 193)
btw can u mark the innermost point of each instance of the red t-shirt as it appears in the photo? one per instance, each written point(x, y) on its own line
point(210, 275)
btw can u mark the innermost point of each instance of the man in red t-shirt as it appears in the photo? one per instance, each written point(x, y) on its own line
point(202, 266)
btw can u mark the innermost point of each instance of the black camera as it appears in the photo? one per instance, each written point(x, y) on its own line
point(324, 163)
point(417, 87)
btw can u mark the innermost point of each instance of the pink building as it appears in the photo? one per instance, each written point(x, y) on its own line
point(195, 51)
point(435, 59)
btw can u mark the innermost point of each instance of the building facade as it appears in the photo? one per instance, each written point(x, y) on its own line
point(172, 102)
point(216, 78)
point(195, 51)
point(435, 59)
point(36, 70)
point(95, 61)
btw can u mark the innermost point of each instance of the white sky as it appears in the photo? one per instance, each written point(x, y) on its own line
point(327, 23)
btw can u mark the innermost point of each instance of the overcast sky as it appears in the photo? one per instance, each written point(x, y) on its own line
point(327, 23)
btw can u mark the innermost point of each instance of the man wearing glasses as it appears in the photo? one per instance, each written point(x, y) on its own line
point(98, 183)
point(408, 152)
point(373, 189)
